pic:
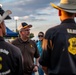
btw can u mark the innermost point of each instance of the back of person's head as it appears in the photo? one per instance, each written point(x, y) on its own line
point(4, 15)
point(66, 15)
point(68, 6)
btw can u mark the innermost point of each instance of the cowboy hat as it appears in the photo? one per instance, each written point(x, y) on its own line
point(2, 12)
point(23, 25)
point(4, 16)
point(66, 5)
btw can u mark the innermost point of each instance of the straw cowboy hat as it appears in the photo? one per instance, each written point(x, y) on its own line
point(66, 5)
point(4, 15)
point(2, 12)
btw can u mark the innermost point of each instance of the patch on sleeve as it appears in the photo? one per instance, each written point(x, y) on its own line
point(72, 45)
point(72, 31)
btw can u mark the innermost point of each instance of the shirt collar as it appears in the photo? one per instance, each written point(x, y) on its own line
point(23, 41)
point(1, 38)
point(68, 21)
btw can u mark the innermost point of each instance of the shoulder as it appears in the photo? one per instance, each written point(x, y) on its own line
point(38, 42)
point(31, 41)
point(52, 29)
point(15, 41)
point(13, 49)
point(11, 46)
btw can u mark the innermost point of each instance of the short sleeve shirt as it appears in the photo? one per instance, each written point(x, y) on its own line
point(29, 51)
point(63, 54)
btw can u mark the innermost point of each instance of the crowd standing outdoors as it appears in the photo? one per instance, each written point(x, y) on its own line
point(39, 46)
point(59, 45)
point(28, 48)
point(55, 52)
point(10, 55)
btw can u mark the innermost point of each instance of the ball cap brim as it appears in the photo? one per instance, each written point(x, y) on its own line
point(23, 26)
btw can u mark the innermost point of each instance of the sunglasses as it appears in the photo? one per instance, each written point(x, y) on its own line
point(40, 35)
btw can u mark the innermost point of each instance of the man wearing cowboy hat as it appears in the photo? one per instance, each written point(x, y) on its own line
point(59, 45)
point(10, 56)
point(28, 48)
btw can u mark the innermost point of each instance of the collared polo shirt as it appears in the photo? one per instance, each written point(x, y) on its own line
point(29, 51)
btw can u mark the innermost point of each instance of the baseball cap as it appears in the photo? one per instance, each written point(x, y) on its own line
point(23, 25)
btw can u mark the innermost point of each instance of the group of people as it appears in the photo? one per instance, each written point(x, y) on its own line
point(54, 53)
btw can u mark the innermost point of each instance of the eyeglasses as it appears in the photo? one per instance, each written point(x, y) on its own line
point(40, 35)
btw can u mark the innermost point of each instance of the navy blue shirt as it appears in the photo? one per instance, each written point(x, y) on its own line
point(10, 59)
point(61, 58)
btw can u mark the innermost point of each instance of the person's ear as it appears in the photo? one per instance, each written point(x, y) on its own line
point(59, 12)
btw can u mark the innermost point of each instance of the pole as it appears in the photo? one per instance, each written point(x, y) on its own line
point(16, 18)
point(16, 25)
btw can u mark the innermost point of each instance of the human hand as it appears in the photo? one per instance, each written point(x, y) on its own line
point(35, 69)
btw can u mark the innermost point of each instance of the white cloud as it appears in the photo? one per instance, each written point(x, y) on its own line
point(37, 12)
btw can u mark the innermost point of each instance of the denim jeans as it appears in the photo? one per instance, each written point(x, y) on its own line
point(40, 71)
point(33, 73)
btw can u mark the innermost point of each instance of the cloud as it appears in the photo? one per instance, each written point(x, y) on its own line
point(31, 18)
point(37, 12)
point(25, 7)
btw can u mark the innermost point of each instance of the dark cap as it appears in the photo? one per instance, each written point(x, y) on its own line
point(24, 25)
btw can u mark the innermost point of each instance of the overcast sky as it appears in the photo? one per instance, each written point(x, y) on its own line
point(39, 13)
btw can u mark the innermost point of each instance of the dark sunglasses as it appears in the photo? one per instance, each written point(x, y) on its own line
point(40, 35)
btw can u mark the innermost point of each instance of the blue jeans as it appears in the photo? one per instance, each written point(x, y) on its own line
point(33, 73)
point(40, 71)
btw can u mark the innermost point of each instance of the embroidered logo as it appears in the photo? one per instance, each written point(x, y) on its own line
point(72, 46)
point(72, 31)
point(31, 45)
